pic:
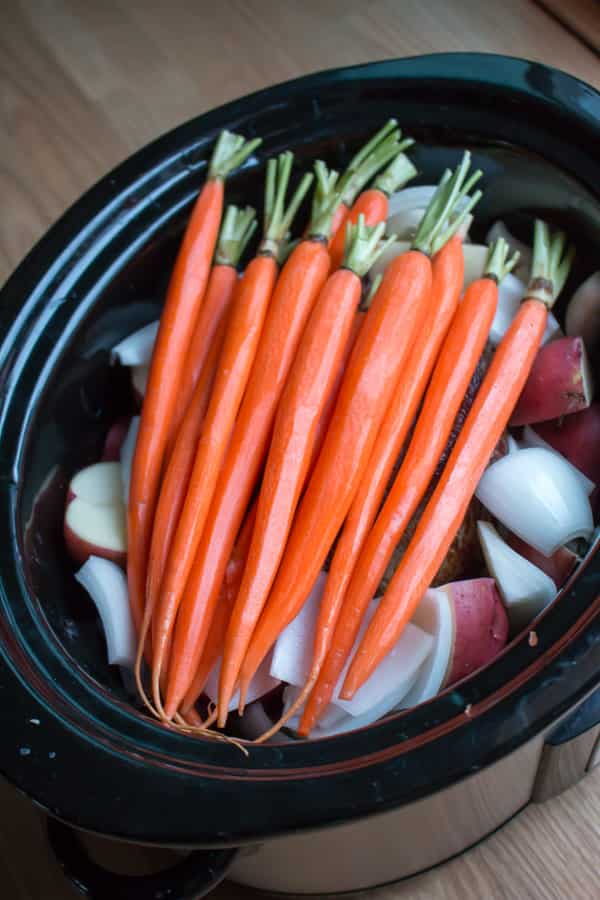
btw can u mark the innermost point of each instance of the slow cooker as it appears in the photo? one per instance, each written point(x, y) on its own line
point(377, 804)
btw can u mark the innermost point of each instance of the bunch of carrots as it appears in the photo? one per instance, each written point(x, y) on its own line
point(277, 405)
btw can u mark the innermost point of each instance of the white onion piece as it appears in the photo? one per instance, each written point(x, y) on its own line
point(409, 198)
point(523, 267)
point(139, 380)
point(511, 444)
point(407, 207)
point(351, 723)
point(393, 672)
point(524, 588)
point(434, 615)
point(293, 654)
point(106, 583)
point(261, 684)
point(510, 293)
point(136, 349)
point(536, 494)
point(336, 721)
point(127, 451)
point(530, 438)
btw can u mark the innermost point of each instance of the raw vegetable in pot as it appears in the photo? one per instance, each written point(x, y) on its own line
point(242, 336)
point(457, 360)
point(184, 299)
point(559, 384)
point(485, 423)
point(95, 515)
point(296, 291)
point(382, 349)
point(302, 403)
point(539, 496)
point(525, 589)
point(372, 204)
point(307, 442)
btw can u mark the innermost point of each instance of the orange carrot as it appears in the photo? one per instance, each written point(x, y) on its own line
point(239, 349)
point(481, 431)
point(218, 629)
point(331, 400)
point(297, 289)
point(184, 297)
point(309, 384)
point(359, 171)
point(381, 352)
point(373, 203)
point(458, 359)
point(447, 280)
point(237, 228)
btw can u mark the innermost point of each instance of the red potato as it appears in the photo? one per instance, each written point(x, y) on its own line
point(480, 625)
point(95, 521)
point(560, 383)
point(577, 438)
point(114, 439)
point(558, 566)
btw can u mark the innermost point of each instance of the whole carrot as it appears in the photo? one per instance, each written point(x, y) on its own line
point(373, 203)
point(303, 400)
point(297, 289)
point(218, 629)
point(173, 491)
point(383, 347)
point(237, 228)
point(241, 340)
point(458, 359)
point(482, 429)
point(184, 298)
point(447, 281)
point(236, 564)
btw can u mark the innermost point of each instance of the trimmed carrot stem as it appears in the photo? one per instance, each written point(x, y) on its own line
point(309, 384)
point(239, 349)
point(184, 298)
point(373, 203)
point(481, 431)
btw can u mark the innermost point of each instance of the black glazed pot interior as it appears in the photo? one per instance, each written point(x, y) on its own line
point(100, 273)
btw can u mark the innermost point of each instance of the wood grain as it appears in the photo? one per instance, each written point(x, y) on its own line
point(580, 16)
point(84, 84)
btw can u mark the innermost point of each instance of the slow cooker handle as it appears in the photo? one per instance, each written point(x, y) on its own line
point(193, 877)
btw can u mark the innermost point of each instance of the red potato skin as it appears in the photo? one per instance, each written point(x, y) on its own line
point(114, 439)
point(558, 566)
point(480, 625)
point(556, 384)
point(80, 550)
point(577, 437)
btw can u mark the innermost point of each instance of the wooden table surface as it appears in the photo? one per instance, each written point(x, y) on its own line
point(84, 84)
